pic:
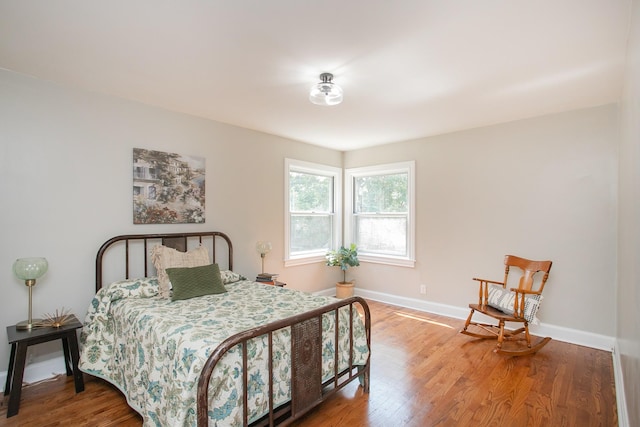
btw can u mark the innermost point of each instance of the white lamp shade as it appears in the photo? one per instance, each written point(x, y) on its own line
point(263, 248)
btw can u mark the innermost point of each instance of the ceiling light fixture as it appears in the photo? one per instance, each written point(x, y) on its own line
point(326, 92)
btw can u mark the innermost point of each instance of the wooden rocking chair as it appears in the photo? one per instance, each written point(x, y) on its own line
point(510, 305)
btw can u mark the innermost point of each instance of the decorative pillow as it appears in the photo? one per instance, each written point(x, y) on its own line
point(164, 257)
point(229, 276)
point(503, 300)
point(190, 282)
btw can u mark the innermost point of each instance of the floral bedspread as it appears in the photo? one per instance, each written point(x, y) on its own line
point(154, 349)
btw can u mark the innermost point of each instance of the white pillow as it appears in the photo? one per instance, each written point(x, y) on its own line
point(503, 300)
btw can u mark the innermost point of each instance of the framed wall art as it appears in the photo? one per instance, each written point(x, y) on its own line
point(168, 188)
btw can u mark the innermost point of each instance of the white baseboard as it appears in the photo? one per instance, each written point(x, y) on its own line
point(621, 400)
point(560, 333)
point(39, 371)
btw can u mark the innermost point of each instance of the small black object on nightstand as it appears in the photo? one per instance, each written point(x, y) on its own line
point(20, 340)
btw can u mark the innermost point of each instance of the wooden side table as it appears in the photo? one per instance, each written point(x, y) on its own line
point(21, 340)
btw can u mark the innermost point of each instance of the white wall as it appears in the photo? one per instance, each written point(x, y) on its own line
point(66, 187)
point(543, 188)
point(628, 298)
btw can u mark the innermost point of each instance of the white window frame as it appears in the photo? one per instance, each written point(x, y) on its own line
point(292, 165)
point(349, 223)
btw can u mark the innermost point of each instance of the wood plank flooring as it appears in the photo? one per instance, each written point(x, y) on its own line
point(424, 373)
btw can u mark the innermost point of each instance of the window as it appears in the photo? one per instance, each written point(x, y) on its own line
point(312, 205)
point(380, 212)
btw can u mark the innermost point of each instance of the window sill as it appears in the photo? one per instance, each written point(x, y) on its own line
point(398, 262)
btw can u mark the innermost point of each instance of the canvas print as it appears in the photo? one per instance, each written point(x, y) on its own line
point(168, 188)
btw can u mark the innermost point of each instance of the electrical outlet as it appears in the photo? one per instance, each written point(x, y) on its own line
point(423, 289)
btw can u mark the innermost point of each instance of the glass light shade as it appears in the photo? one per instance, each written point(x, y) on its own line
point(326, 92)
point(30, 268)
point(263, 248)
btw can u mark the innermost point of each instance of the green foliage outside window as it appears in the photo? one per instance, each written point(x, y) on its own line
point(311, 207)
point(310, 193)
point(381, 193)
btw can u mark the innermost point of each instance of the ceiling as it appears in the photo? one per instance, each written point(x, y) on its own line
point(409, 68)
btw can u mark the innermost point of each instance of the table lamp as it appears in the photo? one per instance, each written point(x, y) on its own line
point(29, 269)
point(263, 249)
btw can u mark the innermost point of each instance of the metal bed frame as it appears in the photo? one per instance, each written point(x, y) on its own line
point(307, 388)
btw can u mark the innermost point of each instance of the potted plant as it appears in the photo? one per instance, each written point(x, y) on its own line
point(344, 258)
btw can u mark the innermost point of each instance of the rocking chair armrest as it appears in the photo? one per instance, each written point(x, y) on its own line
point(519, 300)
point(526, 292)
point(483, 291)
point(488, 281)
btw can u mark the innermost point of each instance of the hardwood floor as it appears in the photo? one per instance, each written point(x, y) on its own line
point(424, 373)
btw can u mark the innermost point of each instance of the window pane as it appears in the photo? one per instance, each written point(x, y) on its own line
point(382, 234)
point(310, 233)
point(310, 193)
point(381, 193)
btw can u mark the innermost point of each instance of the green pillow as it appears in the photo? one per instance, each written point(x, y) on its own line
point(190, 282)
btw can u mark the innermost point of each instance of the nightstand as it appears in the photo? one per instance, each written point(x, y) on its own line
point(20, 340)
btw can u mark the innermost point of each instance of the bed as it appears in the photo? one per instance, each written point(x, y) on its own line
point(250, 354)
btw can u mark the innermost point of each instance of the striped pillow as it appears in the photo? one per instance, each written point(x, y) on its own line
point(503, 300)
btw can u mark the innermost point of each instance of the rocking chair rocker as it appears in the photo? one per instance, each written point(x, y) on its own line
point(510, 305)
